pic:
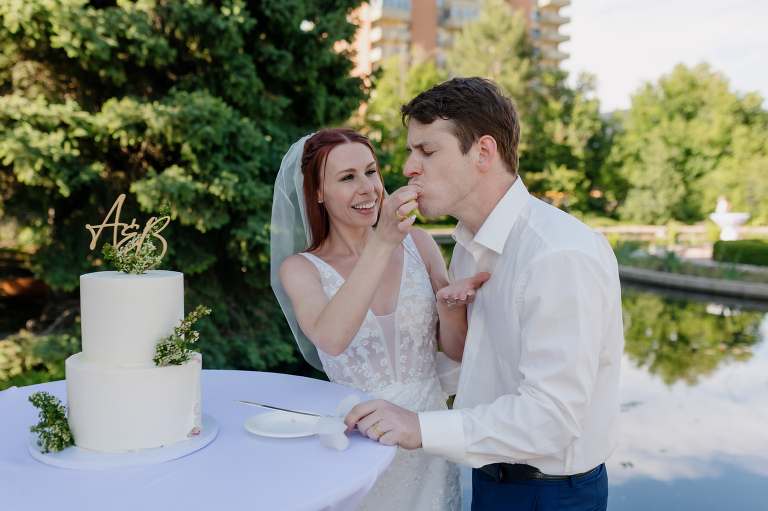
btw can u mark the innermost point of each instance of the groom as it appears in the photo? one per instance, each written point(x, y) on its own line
point(536, 412)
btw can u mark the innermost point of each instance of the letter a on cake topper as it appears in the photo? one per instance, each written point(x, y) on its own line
point(149, 228)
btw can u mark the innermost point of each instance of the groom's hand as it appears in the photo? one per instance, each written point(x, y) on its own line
point(397, 425)
point(462, 291)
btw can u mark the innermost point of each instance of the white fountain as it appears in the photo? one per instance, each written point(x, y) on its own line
point(729, 223)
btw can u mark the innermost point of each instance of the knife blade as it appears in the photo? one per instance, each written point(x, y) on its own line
point(282, 409)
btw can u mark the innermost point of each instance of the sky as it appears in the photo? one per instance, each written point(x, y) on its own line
point(626, 43)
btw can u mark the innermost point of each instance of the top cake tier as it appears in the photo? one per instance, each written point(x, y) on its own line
point(124, 316)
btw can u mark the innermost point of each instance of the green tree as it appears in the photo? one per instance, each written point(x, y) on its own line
point(564, 141)
point(742, 172)
point(189, 101)
point(687, 139)
point(496, 45)
point(565, 145)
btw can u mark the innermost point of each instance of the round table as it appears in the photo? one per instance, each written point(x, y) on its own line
point(238, 470)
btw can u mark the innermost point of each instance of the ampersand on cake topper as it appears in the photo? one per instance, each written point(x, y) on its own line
point(133, 254)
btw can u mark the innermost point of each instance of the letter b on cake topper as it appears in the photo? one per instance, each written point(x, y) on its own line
point(152, 227)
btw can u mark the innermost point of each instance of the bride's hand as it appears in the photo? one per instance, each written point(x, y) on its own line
point(396, 220)
point(462, 291)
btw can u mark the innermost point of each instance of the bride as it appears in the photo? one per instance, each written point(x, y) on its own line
point(357, 285)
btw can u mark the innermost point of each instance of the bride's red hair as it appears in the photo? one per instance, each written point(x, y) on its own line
point(316, 150)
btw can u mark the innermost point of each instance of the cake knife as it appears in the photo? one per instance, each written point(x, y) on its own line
point(283, 409)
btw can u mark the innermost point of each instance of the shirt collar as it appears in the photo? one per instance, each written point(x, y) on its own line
point(495, 230)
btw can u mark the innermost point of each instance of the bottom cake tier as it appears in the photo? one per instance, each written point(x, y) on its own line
point(132, 407)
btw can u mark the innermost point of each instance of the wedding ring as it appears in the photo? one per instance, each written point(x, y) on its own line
point(377, 429)
point(399, 216)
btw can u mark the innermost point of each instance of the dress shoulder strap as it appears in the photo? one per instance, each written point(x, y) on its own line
point(410, 248)
point(316, 260)
point(327, 273)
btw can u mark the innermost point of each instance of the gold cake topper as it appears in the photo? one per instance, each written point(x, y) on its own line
point(150, 228)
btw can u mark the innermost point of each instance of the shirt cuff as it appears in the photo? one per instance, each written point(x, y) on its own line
point(449, 372)
point(442, 434)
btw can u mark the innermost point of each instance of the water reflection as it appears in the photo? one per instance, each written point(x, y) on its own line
point(684, 341)
point(694, 396)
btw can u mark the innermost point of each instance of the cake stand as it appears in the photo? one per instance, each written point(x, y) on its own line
point(84, 459)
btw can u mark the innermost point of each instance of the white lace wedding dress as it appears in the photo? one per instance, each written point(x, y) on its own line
point(393, 357)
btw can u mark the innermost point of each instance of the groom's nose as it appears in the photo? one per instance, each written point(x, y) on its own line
point(411, 168)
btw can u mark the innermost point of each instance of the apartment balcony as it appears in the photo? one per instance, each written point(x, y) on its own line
point(390, 34)
point(453, 23)
point(457, 13)
point(553, 4)
point(378, 53)
point(444, 39)
point(552, 36)
point(390, 10)
point(551, 18)
point(553, 54)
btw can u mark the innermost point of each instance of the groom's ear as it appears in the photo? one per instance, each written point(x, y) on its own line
point(486, 152)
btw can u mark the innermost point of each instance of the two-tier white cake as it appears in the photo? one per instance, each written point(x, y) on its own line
point(117, 398)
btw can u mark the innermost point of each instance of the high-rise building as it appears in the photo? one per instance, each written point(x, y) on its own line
point(426, 28)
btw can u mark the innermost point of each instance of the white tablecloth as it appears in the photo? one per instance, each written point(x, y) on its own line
point(238, 470)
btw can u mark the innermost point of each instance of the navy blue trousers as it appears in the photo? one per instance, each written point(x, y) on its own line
point(588, 493)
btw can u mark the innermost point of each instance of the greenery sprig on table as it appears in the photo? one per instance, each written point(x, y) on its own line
point(173, 349)
point(53, 428)
point(128, 259)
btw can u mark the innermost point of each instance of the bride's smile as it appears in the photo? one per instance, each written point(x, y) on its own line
point(351, 187)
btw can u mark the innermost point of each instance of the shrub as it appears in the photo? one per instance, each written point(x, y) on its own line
point(741, 252)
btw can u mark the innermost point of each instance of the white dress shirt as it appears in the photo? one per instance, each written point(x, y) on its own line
point(540, 373)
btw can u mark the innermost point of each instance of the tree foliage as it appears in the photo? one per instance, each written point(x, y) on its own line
point(687, 139)
point(564, 141)
point(193, 102)
point(565, 145)
point(496, 45)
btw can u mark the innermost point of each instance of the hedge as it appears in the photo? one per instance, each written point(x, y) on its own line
point(741, 252)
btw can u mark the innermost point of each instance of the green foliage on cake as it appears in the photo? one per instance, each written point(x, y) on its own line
point(53, 428)
point(174, 348)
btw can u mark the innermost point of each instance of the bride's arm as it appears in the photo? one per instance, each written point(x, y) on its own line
point(332, 325)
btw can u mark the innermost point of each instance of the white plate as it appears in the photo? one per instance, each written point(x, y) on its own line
point(281, 424)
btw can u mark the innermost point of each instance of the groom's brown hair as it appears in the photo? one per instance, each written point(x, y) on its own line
point(475, 107)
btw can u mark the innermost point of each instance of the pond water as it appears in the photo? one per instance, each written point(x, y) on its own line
point(694, 400)
point(694, 403)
